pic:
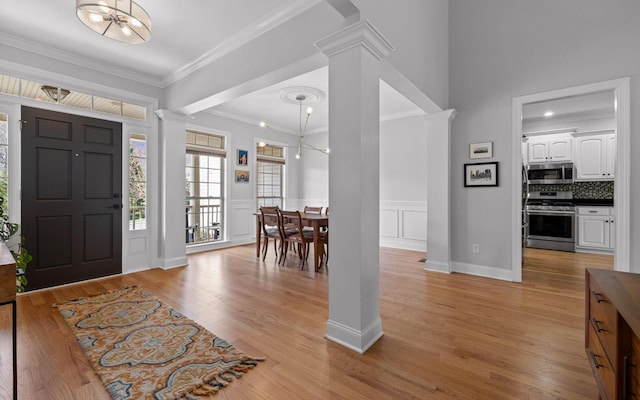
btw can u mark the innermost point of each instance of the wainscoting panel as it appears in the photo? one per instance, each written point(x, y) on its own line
point(138, 245)
point(403, 225)
point(414, 224)
point(389, 223)
point(243, 220)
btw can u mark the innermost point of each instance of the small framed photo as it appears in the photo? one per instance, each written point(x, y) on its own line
point(243, 157)
point(242, 176)
point(481, 150)
point(481, 174)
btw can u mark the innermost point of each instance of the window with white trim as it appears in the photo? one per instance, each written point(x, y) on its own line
point(270, 163)
point(204, 185)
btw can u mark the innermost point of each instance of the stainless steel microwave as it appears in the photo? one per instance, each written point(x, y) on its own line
point(550, 174)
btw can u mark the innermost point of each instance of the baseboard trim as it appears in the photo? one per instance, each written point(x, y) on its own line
point(169, 263)
point(437, 266)
point(483, 270)
point(198, 248)
point(403, 244)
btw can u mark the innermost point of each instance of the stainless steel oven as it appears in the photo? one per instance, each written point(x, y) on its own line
point(550, 174)
point(551, 221)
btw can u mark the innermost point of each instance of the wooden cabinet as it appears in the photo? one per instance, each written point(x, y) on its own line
point(7, 275)
point(612, 331)
point(595, 228)
point(549, 148)
point(633, 367)
point(595, 156)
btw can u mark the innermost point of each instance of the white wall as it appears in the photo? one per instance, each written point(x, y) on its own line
point(504, 49)
point(403, 164)
point(403, 181)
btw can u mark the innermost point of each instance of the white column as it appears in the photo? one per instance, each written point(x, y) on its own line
point(439, 191)
point(172, 148)
point(354, 196)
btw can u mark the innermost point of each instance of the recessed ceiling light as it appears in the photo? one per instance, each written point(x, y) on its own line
point(548, 114)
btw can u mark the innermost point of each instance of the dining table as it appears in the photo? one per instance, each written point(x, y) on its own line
point(316, 221)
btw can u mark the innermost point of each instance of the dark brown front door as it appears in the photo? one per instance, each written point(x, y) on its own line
point(71, 197)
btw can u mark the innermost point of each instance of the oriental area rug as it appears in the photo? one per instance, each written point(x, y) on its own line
point(143, 349)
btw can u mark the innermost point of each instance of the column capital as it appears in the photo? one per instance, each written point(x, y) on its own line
point(449, 115)
point(166, 115)
point(362, 34)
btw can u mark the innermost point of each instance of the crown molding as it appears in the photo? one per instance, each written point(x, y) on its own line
point(270, 21)
point(76, 59)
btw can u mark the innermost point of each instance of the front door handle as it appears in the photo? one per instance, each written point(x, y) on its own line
point(116, 206)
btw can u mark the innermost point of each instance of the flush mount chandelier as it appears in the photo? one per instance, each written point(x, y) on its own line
point(121, 20)
point(55, 93)
point(301, 96)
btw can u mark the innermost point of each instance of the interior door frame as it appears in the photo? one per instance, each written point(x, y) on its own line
point(622, 89)
point(132, 260)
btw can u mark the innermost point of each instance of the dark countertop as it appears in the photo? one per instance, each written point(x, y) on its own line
point(593, 202)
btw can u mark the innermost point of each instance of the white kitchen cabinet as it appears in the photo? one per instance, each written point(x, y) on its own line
point(549, 148)
point(596, 229)
point(595, 156)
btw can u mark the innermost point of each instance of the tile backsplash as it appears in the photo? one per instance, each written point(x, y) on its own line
point(581, 190)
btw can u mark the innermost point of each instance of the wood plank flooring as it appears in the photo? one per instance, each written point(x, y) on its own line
point(446, 336)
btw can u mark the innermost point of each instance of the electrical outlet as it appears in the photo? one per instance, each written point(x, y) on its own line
point(476, 248)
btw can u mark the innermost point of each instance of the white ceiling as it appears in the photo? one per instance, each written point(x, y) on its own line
point(184, 33)
point(574, 107)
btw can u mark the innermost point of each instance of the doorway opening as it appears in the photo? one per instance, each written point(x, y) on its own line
point(538, 144)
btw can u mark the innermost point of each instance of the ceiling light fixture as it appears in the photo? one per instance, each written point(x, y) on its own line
point(548, 114)
point(304, 115)
point(56, 94)
point(122, 20)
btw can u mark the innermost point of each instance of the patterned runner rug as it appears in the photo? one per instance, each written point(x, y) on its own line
point(143, 349)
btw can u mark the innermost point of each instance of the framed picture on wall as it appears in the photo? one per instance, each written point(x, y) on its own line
point(242, 176)
point(481, 174)
point(243, 157)
point(481, 150)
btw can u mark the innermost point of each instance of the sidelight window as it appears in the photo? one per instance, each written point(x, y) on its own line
point(137, 182)
point(4, 159)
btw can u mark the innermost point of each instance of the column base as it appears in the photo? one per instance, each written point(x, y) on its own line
point(358, 341)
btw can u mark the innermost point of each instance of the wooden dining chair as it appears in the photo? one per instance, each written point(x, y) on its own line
point(292, 231)
point(269, 224)
point(325, 260)
point(311, 210)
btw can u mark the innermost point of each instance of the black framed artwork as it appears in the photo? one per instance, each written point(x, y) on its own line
point(481, 174)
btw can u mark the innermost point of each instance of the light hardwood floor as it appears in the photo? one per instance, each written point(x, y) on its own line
point(446, 336)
